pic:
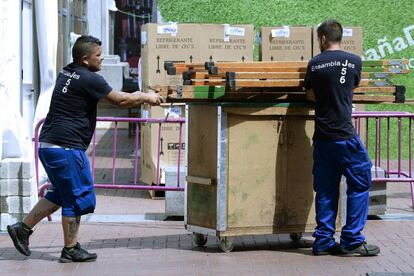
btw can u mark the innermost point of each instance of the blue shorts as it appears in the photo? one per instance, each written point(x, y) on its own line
point(72, 185)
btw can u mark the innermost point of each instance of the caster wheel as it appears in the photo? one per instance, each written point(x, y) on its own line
point(199, 239)
point(226, 244)
point(295, 236)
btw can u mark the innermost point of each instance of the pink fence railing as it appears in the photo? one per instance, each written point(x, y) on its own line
point(115, 146)
point(387, 136)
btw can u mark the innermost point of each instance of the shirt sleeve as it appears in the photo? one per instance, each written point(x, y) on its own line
point(100, 88)
point(358, 72)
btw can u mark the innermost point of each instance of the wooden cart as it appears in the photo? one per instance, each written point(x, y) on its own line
point(249, 171)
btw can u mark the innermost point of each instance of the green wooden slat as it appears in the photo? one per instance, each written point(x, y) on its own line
point(210, 89)
point(208, 95)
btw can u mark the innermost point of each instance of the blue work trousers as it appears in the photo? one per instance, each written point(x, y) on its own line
point(332, 159)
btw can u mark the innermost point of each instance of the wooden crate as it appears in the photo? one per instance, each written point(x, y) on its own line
point(250, 170)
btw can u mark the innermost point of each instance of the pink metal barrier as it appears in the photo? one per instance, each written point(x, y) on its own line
point(391, 152)
point(386, 129)
point(114, 184)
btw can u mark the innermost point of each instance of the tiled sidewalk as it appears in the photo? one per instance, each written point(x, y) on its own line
point(149, 246)
point(165, 248)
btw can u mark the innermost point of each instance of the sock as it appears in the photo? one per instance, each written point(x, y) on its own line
point(71, 247)
point(26, 227)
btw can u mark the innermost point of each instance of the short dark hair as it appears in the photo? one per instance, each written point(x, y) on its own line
point(84, 46)
point(331, 29)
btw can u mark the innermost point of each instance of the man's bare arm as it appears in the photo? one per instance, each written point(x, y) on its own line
point(137, 98)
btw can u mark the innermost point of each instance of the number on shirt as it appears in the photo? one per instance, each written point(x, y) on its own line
point(65, 88)
point(343, 73)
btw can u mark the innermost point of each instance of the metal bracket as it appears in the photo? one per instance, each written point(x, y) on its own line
point(399, 94)
point(179, 91)
point(395, 62)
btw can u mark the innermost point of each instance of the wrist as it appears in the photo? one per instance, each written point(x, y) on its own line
point(144, 97)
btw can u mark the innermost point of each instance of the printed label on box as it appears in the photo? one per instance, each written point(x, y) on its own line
point(171, 29)
point(145, 114)
point(173, 112)
point(285, 32)
point(228, 30)
point(347, 32)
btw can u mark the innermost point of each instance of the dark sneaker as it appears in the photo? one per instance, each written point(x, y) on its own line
point(363, 249)
point(76, 254)
point(334, 250)
point(19, 233)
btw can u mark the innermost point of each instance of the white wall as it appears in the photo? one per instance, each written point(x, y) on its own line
point(94, 13)
point(10, 76)
point(98, 22)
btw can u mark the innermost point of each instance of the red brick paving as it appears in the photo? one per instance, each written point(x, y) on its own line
point(166, 248)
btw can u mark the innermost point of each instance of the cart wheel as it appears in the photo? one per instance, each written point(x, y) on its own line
point(199, 239)
point(295, 236)
point(226, 244)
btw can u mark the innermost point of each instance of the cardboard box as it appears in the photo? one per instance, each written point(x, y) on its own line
point(351, 41)
point(169, 141)
point(224, 42)
point(286, 43)
point(188, 43)
point(160, 43)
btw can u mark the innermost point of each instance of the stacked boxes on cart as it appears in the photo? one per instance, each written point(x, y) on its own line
point(215, 43)
point(181, 43)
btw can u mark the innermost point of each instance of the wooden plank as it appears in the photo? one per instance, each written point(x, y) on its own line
point(269, 83)
point(263, 69)
point(198, 78)
point(261, 75)
point(270, 75)
point(375, 89)
point(262, 64)
point(373, 99)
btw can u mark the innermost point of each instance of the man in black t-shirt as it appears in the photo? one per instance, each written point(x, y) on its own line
point(337, 150)
point(64, 138)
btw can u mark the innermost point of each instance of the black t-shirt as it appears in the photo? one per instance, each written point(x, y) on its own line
point(332, 75)
point(72, 114)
